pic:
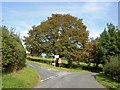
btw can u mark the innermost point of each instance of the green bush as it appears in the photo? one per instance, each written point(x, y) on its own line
point(13, 53)
point(112, 68)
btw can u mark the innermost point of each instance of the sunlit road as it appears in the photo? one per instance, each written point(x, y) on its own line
point(61, 79)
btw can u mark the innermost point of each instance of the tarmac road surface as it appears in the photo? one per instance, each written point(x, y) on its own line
point(60, 79)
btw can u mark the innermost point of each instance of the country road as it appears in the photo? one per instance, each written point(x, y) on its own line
point(61, 79)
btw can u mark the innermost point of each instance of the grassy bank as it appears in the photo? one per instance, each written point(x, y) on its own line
point(108, 82)
point(57, 68)
point(25, 78)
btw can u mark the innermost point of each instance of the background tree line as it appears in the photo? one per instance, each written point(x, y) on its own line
point(67, 36)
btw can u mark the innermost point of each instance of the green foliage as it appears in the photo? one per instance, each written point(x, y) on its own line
point(59, 68)
point(109, 41)
point(60, 34)
point(12, 50)
point(107, 45)
point(112, 68)
point(108, 81)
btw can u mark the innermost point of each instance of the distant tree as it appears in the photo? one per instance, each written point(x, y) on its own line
point(60, 34)
point(107, 45)
point(109, 41)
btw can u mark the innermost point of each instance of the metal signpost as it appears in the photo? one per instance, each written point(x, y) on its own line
point(43, 56)
point(59, 62)
point(56, 57)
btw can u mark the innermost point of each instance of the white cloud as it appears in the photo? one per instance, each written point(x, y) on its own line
point(23, 33)
point(91, 13)
point(92, 8)
point(23, 29)
point(95, 32)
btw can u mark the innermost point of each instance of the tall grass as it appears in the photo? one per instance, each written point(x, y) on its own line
point(108, 82)
point(25, 78)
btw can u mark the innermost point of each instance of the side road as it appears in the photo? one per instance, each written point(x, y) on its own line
point(61, 79)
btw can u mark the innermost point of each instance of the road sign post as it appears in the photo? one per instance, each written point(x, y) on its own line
point(56, 57)
point(59, 62)
point(43, 56)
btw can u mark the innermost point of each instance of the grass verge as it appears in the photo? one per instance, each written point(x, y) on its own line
point(25, 78)
point(108, 82)
point(57, 68)
point(64, 61)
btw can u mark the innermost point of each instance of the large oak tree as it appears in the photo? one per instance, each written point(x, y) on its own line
point(65, 35)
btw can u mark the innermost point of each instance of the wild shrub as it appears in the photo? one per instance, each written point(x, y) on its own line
point(112, 68)
point(13, 53)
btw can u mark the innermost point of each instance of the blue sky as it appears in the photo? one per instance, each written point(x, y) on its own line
point(23, 15)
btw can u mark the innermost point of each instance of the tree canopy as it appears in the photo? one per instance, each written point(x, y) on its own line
point(65, 35)
point(107, 45)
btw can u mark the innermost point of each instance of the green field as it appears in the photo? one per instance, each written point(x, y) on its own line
point(25, 78)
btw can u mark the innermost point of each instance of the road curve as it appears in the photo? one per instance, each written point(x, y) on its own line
point(61, 79)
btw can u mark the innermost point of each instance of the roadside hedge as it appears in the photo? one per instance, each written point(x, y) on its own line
point(42, 60)
point(112, 68)
point(13, 53)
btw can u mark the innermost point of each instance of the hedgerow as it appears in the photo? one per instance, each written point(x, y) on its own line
point(13, 53)
point(112, 68)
